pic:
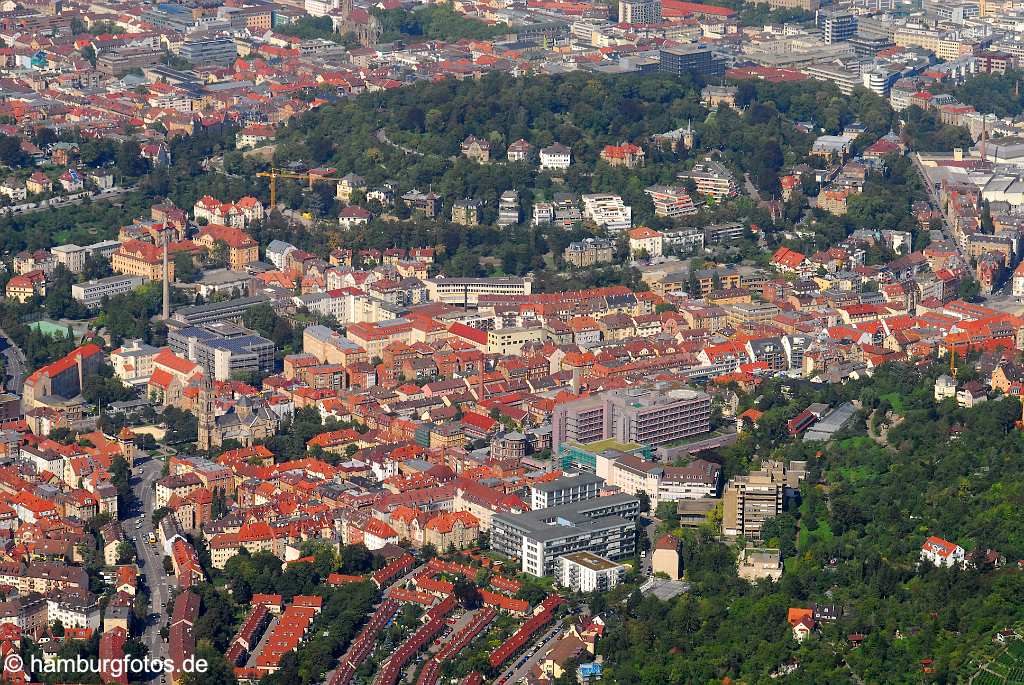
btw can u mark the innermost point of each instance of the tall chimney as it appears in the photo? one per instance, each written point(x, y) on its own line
point(167, 285)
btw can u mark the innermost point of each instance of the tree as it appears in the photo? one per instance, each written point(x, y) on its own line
point(11, 153)
point(467, 593)
point(968, 289)
point(185, 269)
point(769, 159)
point(125, 553)
point(158, 514)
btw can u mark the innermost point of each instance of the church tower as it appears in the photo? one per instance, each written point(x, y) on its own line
point(207, 417)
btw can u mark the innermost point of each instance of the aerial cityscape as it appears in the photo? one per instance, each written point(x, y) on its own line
point(381, 342)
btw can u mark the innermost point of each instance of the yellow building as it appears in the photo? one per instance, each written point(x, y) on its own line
point(136, 258)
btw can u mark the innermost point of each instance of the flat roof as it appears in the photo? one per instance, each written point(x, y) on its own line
point(568, 481)
point(607, 444)
point(592, 561)
point(552, 523)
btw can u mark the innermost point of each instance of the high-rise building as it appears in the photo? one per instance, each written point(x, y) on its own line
point(639, 11)
point(749, 501)
point(690, 60)
point(837, 26)
point(651, 415)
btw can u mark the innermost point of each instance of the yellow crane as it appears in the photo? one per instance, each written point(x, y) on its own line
point(308, 176)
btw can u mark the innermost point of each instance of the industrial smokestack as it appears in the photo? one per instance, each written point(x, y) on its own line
point(167, 285)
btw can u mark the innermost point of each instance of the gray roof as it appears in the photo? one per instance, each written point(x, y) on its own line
point(566, 520)
point(568, 481)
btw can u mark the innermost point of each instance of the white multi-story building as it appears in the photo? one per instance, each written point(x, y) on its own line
point(320, 8)
point(1018, 280)
point(91, 293)
point(608, 211)
point(671, 201)
point(133, 362)
point(605, 526)
point(712, 178)
point(588, 572)
point(571, 487)
point(508, 208)
point(74, 610)
point(468, 290)
point(939, 552)
point(555, 157)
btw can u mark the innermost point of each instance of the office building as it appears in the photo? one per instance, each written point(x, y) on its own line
point(837, 26)
point(571, 487)
point(879, 80)
point(209, 51)
point(639, 11)
point(690, 60)
point(605, 526)
point(588, 572)
point(91, 293)
point(652, 415)
point(117, 63)
point(805, 5)
point(224, 350)
point(467, 291)
point(228, 310)
point(632, 475)
point(749, 501)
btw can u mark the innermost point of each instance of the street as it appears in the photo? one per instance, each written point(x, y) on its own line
point(139, 524)
point(521, 667)
point(14, 363)
point(76, 199)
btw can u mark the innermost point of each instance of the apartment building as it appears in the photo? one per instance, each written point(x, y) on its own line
point(588, 572)
point(712, 178)
point(572, 487)
point(640, 11)
point(508, 208)
point(671, 201)
point(749, 501)
point(608, 211)
point(588, 252)
point(750, 313)
point(605, 526)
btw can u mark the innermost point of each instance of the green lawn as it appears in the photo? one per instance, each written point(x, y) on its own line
point(895, 400)
point(853, 474)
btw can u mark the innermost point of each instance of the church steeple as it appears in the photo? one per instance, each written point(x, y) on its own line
point(207, 417)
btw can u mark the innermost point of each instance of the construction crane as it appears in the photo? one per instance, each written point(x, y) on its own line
point(952, 362)
point(308, 176)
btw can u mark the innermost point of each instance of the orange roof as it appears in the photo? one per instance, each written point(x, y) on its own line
point(642, 232)
point(796, 615)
